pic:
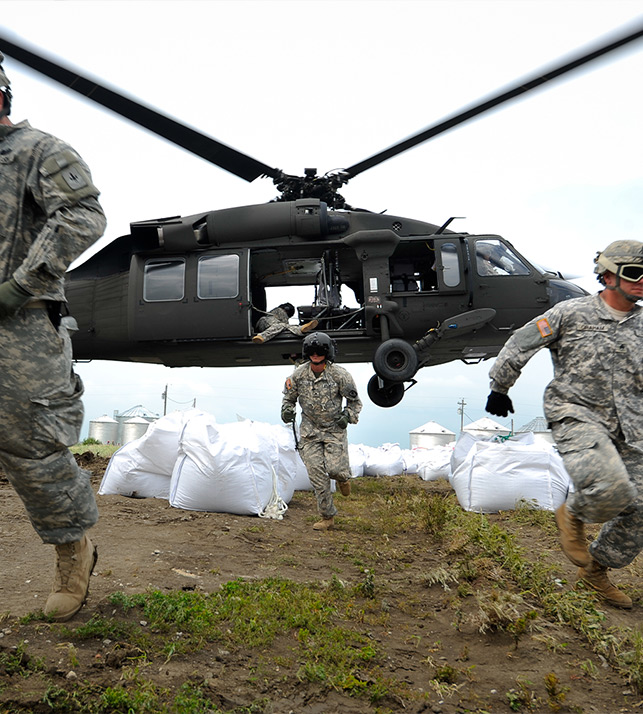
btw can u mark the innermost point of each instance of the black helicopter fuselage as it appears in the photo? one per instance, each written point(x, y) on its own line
point(188, 291)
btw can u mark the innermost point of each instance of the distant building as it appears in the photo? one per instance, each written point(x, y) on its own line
point(123, 427)
point(133, 423)
point(486, 427)
point(104, 429)
point(430, 434)
point(538, 426)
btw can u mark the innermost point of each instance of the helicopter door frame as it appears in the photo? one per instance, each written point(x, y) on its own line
point(190, 296)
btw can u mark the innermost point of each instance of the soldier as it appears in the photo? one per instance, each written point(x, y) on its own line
point(275, 322)
point(321, 386)
point(593, 405)
point(49, 215)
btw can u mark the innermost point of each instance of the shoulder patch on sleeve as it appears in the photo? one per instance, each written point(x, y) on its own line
point(288, 384)
point(69, 175)
point(544, 327)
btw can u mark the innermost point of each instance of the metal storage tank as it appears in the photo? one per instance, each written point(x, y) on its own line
point(104, 429)
point(134, 428)
point(430, 434)
point(486, 427)
point(538, 427)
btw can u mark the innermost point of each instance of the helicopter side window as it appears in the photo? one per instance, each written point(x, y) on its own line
point(164, 280)
point(494, 258)
point(218, 277)
point(450, 265)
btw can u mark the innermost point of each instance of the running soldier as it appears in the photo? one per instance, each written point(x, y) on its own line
point(49, 214)
point(594, 408)
point(321, 386)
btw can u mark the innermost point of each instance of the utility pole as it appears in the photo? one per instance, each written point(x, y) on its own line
point(164, 398)
point(462, 404)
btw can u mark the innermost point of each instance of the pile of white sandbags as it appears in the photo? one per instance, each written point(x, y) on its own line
point(197, 464)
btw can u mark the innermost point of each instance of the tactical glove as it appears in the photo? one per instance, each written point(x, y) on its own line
point(499, 404)
point(12, 298)
point(287, 413)
point(342, 421)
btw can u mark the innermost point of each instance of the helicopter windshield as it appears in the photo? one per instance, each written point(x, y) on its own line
point(493, 257)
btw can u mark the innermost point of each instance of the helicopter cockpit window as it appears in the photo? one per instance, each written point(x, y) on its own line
point(164, 280)
point(218, 277)
point(494, 258)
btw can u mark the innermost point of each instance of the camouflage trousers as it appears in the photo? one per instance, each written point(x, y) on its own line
point(41, 414)
point(325, 460)
point(270, 327)
point(607, 474)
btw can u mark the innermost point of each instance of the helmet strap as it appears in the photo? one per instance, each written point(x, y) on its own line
point(619, 289)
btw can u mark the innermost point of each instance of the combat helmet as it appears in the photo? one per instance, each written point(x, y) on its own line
point(5, 88)
point(623, 258)
point(318, 343)
point(617, 258)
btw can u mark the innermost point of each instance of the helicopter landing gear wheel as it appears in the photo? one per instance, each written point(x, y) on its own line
point(395, 361)
point(387, 395)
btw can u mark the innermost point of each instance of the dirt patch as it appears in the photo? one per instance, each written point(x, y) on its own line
point(424, 631)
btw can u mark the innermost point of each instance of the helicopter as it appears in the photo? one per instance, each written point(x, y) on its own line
point(189, 290)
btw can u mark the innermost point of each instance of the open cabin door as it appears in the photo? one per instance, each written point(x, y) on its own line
point(189, 297)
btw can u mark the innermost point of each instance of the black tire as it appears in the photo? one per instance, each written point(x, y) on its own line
point(388, 395)
point(395, 361)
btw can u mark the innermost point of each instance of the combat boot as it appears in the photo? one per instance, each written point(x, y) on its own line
point(258, 340)
point(309, 326)
point(326, 524)
point(595, 577)
point(572, 537)
point(344, 487)
point(74, 564)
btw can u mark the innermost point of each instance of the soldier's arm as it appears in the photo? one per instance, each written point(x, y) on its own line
point(349, 392)
point(62, 186)
point(521, 347)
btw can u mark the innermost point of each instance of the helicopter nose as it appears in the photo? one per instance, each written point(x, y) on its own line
point(560, 290)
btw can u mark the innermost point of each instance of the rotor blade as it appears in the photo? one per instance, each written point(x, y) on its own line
point(206, 147)
point(506, 95)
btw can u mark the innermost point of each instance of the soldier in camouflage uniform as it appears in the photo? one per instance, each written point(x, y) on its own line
point(321, 388)
point(275, 322)
point(49, 215)
point(595, 410)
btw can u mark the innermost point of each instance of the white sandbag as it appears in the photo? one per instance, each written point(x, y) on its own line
point(357, 459)
point(143, 468)
point(227, 468)
point(385, 460)
point(498, 476)
point(466, 442)
point(433, 462)
point(124, 477)
point(291, 459)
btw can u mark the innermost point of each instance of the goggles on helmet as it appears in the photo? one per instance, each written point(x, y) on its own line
point(632, 272)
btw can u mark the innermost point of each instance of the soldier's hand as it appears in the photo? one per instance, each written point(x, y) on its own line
point(499, 404)
point(342, 421)
point(12, 298)
point(287, 413)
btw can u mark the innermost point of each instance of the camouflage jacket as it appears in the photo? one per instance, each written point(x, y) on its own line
point(321, 398)
point(598, 364)
point(49, 212)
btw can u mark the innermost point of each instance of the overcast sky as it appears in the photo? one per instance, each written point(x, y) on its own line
point(325, 85)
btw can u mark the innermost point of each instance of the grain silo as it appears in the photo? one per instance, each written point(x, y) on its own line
point(538, 427)
point(104, 429)
point(430, 434)
point(486, 427)
point(134, 428)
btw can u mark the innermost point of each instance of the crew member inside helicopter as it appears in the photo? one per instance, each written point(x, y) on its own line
point(276, 322)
